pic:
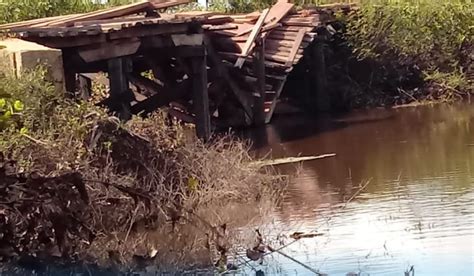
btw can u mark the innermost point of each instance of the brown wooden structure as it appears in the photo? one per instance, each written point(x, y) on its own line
point(235, 65)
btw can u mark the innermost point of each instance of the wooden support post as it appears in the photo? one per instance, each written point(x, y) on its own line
point(85, 87)
point(120, 93)
point(69, 75)
point(69, 82)
point(321, 95)
point(259, 96)
point(201, 97)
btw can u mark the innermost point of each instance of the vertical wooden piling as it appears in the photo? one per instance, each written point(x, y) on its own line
point(259, 95)
point(321, 94)
point(69, 75)
point(69, 82)
point(200, 96)
point(85, 87)
point(120, 93)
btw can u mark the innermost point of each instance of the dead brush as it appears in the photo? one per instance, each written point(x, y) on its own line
point(147, 176)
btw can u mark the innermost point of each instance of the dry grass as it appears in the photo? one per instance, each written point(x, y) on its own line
point(146, 180)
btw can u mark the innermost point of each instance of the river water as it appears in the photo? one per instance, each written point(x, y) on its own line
point(417, 209)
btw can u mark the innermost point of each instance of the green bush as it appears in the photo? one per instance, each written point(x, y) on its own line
point(18, 10)
point(9, 110)
point(434, 38)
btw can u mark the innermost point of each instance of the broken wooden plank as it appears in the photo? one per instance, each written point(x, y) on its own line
point(28, 23)
point(296, 46)
point(253, 36)
point(101, 14)
point(218, 19)
point(278, 11)
point(239, 31)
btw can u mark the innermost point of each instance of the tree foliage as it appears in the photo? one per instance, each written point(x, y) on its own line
point(18, 10)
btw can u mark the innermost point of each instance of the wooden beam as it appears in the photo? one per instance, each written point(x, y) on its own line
point(296, 47)
point(120, 93)
point(60, 43)
point(201, 97)
point(108, 50)
point(259, 96)
point(101, 14)
point(269, 114)
point(151, 30)
point(69, 74)
point(253, 36)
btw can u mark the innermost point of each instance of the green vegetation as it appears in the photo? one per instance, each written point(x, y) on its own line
point(406, 40)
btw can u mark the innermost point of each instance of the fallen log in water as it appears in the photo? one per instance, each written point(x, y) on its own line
point(289, 160)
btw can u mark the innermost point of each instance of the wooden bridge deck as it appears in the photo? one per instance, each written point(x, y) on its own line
point(236, 65)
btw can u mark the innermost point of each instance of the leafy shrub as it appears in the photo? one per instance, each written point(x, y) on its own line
point(9, 110)
point(434, 38)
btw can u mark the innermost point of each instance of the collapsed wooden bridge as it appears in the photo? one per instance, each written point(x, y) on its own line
point(235, 65)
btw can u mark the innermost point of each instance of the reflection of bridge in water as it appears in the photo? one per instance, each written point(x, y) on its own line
point(235, 65)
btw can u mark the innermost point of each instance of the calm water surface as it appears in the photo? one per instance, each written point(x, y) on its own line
point(417, 209)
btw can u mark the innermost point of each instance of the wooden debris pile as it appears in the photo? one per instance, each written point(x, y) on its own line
point(35, 218)
point(284, 33)
point(244, 59)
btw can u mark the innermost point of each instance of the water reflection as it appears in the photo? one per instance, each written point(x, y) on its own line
point(417, 210)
